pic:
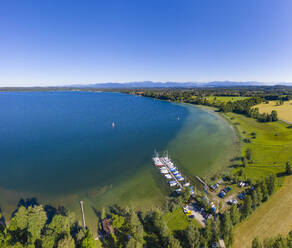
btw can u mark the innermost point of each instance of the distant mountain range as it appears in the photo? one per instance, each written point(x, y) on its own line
point(150, 84)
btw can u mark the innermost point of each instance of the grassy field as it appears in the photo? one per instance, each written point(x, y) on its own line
point(284, 111)
point(226, 98)
point(271, 149)
point(177, 220)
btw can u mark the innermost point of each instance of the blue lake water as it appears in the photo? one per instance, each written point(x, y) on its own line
point(58, 144)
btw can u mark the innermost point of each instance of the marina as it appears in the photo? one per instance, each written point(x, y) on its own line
point(171, 173)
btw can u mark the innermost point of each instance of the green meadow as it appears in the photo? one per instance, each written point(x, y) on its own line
point(270, 150)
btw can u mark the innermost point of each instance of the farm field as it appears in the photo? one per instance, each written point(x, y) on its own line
point(284, 111)
point(272, 218)
point(270, 150)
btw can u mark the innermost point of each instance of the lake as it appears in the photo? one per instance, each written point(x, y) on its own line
point(62, 147)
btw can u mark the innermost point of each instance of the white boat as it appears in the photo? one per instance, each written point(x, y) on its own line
point(157, 162)
point(186, 184)
point(113, 125)
point(181, 179)
point(168, 176)
point(172, 183)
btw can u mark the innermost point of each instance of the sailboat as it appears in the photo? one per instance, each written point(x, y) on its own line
point(113, 124)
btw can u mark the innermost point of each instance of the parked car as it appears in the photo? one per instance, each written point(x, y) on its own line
point(233, 201)
point(222, 194)
point(215, 245)
point(241, 196)
point(227, 189)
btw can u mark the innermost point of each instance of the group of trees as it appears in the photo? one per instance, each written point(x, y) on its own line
point(137, 229)
point(36, 227)
point(277, 242)
point(261, 193)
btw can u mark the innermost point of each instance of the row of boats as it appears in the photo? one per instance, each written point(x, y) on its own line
point(170, 172)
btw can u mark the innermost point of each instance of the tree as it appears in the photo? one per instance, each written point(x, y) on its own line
point(5, 237)
point(274, 115)
point(135, 227)
point(234, 214)
point(48, 240)
point(37, 218)
point(66, 242)
point(229, 240)
point(255, 199)
point(88, 241)
point(117, 221)
point(132, 243)
point(29, 221)
point(216, 229)
point(208, 230)
point(60, 225)
point(173, 242)
point(288, 168)
point(19, 220)
point(246, 208)
point(226, 224)
point(271, 184)
point(244, 162)
point(264, 191)
point(248, 154)
point(256, 243)
point(192, 235)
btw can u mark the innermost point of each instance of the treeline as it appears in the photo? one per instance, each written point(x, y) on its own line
point(266, 92)
point(245, 107)
point(33, 226)
point(278, 242)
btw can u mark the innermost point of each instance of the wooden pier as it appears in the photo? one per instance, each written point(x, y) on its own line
point(201, 181)
point(83, 215)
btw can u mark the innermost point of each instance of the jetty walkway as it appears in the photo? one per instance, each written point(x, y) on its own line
point(169, 171)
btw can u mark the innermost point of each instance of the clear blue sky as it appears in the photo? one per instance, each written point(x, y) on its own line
point(47, 42)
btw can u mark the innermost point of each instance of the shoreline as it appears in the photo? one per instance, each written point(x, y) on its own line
point(236, 148)
point(237, 134)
